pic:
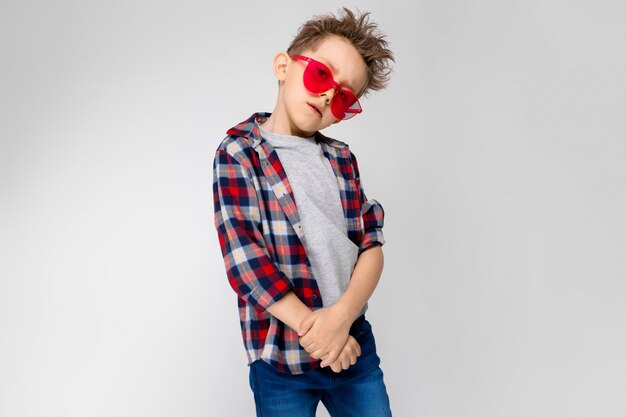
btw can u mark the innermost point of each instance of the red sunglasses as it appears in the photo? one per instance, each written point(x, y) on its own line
point(318, 78)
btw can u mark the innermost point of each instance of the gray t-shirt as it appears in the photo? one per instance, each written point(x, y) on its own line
point(316, 191)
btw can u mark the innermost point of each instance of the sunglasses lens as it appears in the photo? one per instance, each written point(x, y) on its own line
point(345, 105)
point(317, 78)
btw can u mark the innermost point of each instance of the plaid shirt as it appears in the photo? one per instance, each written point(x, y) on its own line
point(262, 240)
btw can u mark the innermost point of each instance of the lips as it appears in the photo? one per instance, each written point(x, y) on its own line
point(315, 109)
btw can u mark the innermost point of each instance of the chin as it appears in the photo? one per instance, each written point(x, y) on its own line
point(307, 124)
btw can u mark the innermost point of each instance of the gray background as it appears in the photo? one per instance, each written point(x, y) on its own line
point(497, 152)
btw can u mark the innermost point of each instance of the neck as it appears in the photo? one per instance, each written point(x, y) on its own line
point(279, 123)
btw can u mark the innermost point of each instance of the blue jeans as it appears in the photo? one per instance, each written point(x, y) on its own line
point(356, 391)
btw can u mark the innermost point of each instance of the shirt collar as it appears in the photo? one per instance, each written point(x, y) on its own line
point(250, 131)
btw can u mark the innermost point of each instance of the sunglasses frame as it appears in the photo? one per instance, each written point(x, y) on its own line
point(348, 113)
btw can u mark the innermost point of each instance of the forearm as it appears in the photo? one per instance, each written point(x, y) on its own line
point(363, 281)
point(290, 310)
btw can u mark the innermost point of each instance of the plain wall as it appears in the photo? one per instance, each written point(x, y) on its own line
point(497, 152)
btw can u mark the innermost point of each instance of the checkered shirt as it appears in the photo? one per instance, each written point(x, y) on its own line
point(262, 239)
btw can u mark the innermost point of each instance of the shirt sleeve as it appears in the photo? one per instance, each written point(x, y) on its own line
point(250, 270)
point(372, 213)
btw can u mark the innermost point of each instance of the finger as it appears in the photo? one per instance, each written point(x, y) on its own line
point(352, 359)
point(309, 347)
point(332, 356)
point(345, 362)
point(312, 349)
point(306, 338)
point(337, 365)
point(322, 363)
point(332, 364)
point(318, 353)
point(305, 326)
point(327, 360)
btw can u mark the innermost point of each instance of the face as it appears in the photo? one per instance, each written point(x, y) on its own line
point(295, 110)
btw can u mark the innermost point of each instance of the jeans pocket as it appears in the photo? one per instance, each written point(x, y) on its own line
point(252, 376)
point(364, 327)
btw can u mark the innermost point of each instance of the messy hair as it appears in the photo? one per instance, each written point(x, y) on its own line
point(361, 33)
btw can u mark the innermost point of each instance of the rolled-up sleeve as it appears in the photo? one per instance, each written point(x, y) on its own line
point(372, 213)
point(250, 270)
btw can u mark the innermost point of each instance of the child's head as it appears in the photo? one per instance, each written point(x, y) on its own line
point(355, 54)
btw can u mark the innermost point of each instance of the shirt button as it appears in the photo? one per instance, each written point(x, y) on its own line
point(314, 297)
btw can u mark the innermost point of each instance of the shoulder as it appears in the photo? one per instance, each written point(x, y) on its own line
point(238, 148)
point(335, 143)
point(341, 152)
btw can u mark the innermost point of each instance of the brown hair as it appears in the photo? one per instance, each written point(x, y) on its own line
point(361, 33)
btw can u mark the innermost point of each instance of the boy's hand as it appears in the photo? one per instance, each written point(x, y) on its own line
point(347, 357)
point(324, 332)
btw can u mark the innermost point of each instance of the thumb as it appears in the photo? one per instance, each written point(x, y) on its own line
point(305, 326)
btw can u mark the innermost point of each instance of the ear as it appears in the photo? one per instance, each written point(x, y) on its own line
point(281, 62)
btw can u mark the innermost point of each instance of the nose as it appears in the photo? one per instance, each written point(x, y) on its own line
point(330, 93)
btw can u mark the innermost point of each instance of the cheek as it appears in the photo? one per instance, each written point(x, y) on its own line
point(294, 80)
point(297, 96)
point(293, 98)
point(294, 88)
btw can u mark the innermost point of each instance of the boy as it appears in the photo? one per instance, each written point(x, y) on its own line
point(300, 240)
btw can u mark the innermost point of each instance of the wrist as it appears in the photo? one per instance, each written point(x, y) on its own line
point(303, 314)
point(345, 309)
point(290, 310)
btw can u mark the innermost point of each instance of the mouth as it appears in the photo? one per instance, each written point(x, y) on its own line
point(315, 109)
